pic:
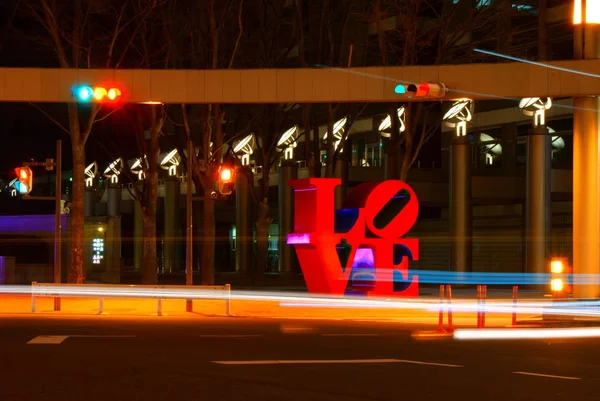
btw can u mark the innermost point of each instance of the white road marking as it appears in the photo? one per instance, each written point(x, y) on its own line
point(101, 336)
point(349, 335)
point(447, 365)
point(45, 339)
point(48, 340)
point(229, 335)
point(330, 361)
point(305, 362)
point(550, 376)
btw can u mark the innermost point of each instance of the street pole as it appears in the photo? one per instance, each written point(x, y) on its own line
point(58, 221)
point(460, 205)
point(189, 244)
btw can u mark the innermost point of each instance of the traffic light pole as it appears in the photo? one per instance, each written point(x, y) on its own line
point(58, 222)
point(189, 224)
point(57, 165)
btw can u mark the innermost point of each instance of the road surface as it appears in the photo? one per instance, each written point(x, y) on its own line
point(161, 358)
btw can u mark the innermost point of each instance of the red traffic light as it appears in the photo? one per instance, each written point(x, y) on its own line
point(425, 89)
point(24, 182)
point(226, 174)
point(23, 173)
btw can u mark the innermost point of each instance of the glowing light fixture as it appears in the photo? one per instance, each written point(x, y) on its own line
point(136, 167)
point(338, 132)
point(287, 142)
point(169, 161)
point(114, 170)
point(245, 147)
point(491, 146)
point(592, 12)
point(386, 124)
point(459, 115)
point(91, 171)
point(536, 107)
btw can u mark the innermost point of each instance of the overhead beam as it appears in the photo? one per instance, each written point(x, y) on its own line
point(319, 85)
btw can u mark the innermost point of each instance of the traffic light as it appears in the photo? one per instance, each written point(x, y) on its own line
point(226, 175)
point(24, 182)
point(423, 90)
point(96, 94)
point(560, 278)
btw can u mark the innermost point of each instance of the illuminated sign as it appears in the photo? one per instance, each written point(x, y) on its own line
point(362, 243)
point(97, 250)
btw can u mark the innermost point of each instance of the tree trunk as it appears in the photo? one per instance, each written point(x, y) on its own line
point(149, 258)
point(263, 222)
point(76, 262)
point(208, 249)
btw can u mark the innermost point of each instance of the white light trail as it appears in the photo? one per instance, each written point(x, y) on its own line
point(523, 334)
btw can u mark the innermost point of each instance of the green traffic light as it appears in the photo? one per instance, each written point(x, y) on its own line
point(400, 90)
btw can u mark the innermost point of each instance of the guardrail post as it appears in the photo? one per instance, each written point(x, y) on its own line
point(449, 303)
point(159, 307)
point(33, 284)
point(441, 312)
point(100, 306)
point(227, 299)
point(514, 312)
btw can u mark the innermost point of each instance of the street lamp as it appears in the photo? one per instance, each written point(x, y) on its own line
point(91, 171)
point(491, 146)
point(386, 124)
point(536, 107)
point(459, 115)
point(169, 161)
point(338, 131)
point(114, 170)
point(245, 147)
point(287, 142)
point(136, 167)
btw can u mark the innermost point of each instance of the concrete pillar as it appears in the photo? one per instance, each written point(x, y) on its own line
point(586, 187)
point(460, 205)
point(89, 202)
point(138, 236)
point(172, 190)
point(586, 170)
point(538, 202)
point(244, 180)
point(114, 200)
point(287, 171)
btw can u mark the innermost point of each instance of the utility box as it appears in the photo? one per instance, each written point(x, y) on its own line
point(7, 270)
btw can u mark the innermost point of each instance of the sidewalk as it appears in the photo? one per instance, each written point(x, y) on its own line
point(21, 305)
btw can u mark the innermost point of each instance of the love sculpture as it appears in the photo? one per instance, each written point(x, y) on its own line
point(362, 240)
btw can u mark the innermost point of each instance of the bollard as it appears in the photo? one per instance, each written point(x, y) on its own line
point(159, 307)
point(478, 306)
point(100, 306)
point(514, 313)
point(33, 284)
point(189, 305)
point(227, 299)
point(449, 303)
point(484, 298)
point(441, 318)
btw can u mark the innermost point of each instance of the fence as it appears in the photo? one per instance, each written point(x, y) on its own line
point(157, 292)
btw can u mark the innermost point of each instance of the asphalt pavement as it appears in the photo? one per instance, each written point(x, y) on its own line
point(90, 358)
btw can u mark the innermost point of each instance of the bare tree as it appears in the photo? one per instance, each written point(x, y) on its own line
point(74, 32)
point(204, 124)
point(426, 33)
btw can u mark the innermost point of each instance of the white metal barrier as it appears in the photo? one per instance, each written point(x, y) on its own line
point(158, 292)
